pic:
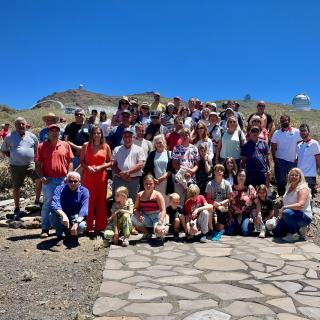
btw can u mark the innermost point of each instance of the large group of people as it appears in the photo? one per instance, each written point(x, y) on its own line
point(181, 168)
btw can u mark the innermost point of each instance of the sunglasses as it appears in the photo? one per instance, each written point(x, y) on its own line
point(73, 181)
point(79, 114)
point(254, 131)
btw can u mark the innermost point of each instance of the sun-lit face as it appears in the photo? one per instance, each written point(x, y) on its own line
point(218, 172)
point(294, 176)
point(229, 165)
point(148, 184)
point(120, 198)
point(21, 126)
point(73, 183)
point(159, 145)
point(175, 203)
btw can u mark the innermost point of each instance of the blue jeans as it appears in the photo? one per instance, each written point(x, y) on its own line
point(281, 171)
point(61, 230)
point(76, 162)
point(291, 222)
point(48, 191)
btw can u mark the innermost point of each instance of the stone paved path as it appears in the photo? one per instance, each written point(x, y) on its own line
point(238, 278)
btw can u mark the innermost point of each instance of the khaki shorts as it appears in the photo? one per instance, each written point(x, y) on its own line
point(19, 173)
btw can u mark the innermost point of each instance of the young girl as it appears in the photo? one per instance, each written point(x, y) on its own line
point(204, 172)
point(230, 169)
point(264, 219)
point(120, 220)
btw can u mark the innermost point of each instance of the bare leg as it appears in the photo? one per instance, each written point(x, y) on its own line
point(176, 225)
point(142, 229)
point(219, 226)
point(183, 223)
point(210, 224)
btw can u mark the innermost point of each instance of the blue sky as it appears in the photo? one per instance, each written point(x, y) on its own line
point(208, 49)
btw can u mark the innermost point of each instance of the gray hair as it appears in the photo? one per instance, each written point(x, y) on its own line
point(159, 137)
point(19, 119)
point(73, 174)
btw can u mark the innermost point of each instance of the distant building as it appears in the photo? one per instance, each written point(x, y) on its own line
point(302, 102)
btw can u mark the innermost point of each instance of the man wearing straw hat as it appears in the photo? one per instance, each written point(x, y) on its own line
point(49, 119)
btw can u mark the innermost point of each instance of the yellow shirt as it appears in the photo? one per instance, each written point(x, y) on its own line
point(157, 106)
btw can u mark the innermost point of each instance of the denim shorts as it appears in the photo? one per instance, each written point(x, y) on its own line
point(149, 220)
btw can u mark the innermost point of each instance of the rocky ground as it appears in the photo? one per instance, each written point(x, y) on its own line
point(40, 284)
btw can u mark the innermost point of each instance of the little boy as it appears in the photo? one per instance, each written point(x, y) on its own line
point(120, 220)
point(197, 213)
point(176, 216)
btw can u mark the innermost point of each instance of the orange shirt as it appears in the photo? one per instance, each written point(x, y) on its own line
point(54, 159)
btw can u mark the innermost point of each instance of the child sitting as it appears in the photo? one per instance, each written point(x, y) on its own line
point(197, 213)
point(264, 219)
point(176, 216)
point(120, 220)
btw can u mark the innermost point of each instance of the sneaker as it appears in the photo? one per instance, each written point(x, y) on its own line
point(134, 232)
point(303, 231)
point(203, 238)
point(262, 234)
point(16, 214)
point(125, 242)
point(44, 233)
point(291, 237)
point(176, 236)
point(218, 235)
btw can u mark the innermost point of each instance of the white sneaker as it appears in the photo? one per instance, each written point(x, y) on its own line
point(262, 234)
point(125, 242)
point(303, 231)
point(291, 237)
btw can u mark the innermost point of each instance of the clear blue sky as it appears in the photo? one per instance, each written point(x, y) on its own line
point(208, 49)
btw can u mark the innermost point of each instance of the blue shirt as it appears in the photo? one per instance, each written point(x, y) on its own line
point(256, 154)
point(71, 202)
point(114, 138)
point(43, 134)
point(196, 116)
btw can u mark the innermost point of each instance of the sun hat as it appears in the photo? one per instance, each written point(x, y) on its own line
point(50, 115)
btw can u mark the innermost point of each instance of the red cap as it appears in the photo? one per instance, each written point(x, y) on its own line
point(52, 126)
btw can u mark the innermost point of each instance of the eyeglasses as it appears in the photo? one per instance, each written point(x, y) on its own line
point(79, 114)
point(73, 181)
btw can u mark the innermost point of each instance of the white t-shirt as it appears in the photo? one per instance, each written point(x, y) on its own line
point(105, 127)
point(209, 147)
point(306, 152)
point(286, 143)
point(160, 163)
point(128, 157)
point(146, 145)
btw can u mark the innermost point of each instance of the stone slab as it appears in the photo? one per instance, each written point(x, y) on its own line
point(285, 304)
point(220, 276)
point(214, 252)
point(138, 265)
point(117, 274)
point(187, 271)
point(119, 252)
point(152, 309)
point(312, 313)
point(146, 294)
point(210, 314)
point(157, 273)
point(197, 304)
point(289, 316)
point(240, 309)
point(181, 292)
point(288, 286)
point(227, 291)
point(177, 280)
point(113, 264)
point(220, 264)
point(269, 290)
point(110, 288)
point(104, 305)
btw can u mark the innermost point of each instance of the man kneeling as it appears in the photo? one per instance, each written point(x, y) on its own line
point(70, 208)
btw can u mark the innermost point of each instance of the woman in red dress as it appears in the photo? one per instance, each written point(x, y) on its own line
point(95, 159)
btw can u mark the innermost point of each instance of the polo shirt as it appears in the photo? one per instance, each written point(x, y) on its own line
point(306, 152)
point(256, 154)
point(43, 134)
point(22, 149)
point(157, 106)
point(286, 143)
point(173, 139)
point(71, 202)
point(54, 159)
point(126, 158)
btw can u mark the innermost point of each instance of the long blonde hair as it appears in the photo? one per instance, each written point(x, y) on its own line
point(302, 183)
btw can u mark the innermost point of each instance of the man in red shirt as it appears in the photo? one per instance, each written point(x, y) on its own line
point(5, 130)
point(53, 162)
point(173, 138)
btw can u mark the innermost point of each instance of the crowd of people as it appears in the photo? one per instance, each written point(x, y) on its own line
point(172, 168)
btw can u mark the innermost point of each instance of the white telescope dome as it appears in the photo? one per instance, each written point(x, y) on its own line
point(302, 102)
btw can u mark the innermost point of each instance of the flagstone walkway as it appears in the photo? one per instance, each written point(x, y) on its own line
point(238, 278)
